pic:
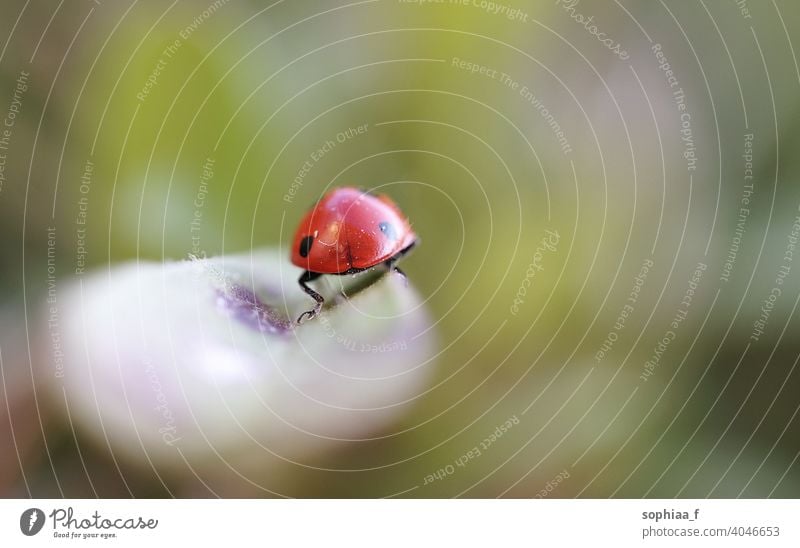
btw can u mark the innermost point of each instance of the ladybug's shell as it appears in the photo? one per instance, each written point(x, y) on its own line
point(350, 230)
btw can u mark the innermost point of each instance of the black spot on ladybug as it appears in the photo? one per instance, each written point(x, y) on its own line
point(388, 230)
point(305, 245)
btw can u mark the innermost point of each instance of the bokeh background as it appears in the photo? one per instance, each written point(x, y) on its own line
point(495, 126)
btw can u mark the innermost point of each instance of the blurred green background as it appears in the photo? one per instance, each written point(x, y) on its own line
point(552, 131)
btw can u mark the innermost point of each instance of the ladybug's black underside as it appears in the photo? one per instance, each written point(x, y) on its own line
point(309, 276)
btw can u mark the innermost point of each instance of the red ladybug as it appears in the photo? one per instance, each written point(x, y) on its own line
point(347, 231)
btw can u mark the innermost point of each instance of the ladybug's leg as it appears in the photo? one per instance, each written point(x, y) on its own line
point(390, 264)
point(403, 274)
point(306, 277)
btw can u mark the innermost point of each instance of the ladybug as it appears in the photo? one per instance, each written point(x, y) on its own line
point(349, 230)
